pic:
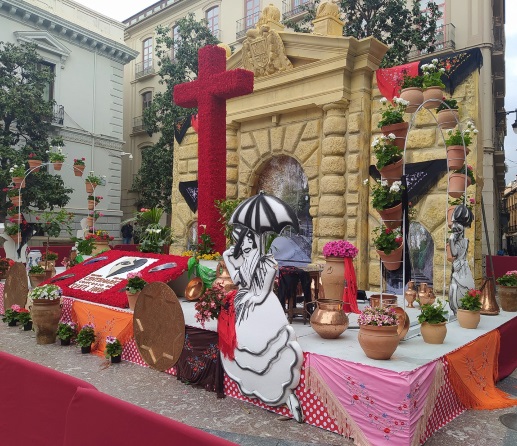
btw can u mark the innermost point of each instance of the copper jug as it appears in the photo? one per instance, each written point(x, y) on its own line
point(410, 294)
point(223, 277)
point(329, 320)
point(423, 291)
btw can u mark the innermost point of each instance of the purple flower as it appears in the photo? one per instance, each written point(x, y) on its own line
point(340, 248)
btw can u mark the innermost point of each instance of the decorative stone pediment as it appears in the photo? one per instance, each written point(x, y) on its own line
point(45, 42)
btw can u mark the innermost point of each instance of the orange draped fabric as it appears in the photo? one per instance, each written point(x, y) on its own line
point(473, 371)
point(107, 322)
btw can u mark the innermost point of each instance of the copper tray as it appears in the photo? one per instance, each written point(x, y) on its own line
point(195, 289)
point(403, 322)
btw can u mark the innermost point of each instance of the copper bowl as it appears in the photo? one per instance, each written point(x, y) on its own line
point(388, 300)
point(195, 289)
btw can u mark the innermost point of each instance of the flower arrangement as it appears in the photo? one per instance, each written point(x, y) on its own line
point(433, 313)
point(457, 137)
point(508, 279)
point(393, 114)
point(411, 81)
point(135, 283)
point(385, 196)
point(12, 229)
point(378, 316)
point(86, 335)
point(99, 236)
point(471, 300)
point(79, 161)
point(50, 255)
point(447, 104)
point(209, 305)
point(469, 171)
point(432, 75)
point(93, 179)
point(36, 269)
point(17, 171)
point(386, 151)
point(11, 314)
point(95, 198)
point(56, 157)
point(154, 238)
point(24, 316)
point(387, 240)
point(469, 202)
point(66, 330)
point(340, 248)
point(47, 292)
point(113, 347)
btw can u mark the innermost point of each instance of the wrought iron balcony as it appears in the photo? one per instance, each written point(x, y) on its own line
point(246, 23)
point(138, 124)
point(293, 8)
point(58, 114)
point(144, 68)
point(445, 38)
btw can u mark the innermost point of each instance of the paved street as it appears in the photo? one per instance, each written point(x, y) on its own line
point(232, 419)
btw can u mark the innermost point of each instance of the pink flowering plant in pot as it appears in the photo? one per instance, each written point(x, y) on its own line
point(340, 248)
point(209, 305)
point(508, 279)
point(378, 316)
point(113, 347)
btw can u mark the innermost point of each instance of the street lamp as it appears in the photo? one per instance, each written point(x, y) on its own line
point(514, 125)
point(131, 155)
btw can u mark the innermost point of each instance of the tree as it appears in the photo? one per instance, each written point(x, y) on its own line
point(390, 21)
point(25, 126)
point(154, 179)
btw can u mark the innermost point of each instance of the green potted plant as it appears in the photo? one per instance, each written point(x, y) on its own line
point(135, 284)
point(15, 197)
point(11, 315)
point(432, 83)
point(388, 243)
point(113, 349)
point(84, 246)
point(37, 274)
point(378, 332)
point(52, 223)
point(25, 319)
point(387, 201)
point(433, 318)
point(469, 311)
point(14, 232)
point(93, 201)
point(17, 175)
point(447, 113)
point(92, 181)
point(411, 91)
point(86, 337)
point(66, 332)
point(389, 157)
point(48, 259)
point(5, 264)
point(457, 143)
point(392, 119)
point(34, 162)
point(459, 179)
point(79, 166)
point(57, 158)
point(507, 291)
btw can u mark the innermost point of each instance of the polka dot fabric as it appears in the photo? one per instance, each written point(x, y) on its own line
point(2, 311)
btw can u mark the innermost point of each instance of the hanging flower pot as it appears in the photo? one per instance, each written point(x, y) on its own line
point(34, 165)
point(457, 184)
point(392, 217)
point(399, 130)
point(16, 200)
point(57, 165)
point(448, 118)
point(455, 157)
point(393, 260)
point(415, 97)
point(434, 95)
point(91, 205)
point(392, 172)
point(450, 210)
point(78, 170)
point(19, 182)
point(90, 187)
point(433, 333)
point(89, 221)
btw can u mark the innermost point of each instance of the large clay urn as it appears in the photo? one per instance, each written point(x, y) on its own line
point(399, 130)
point(392, 172)
point(415, 97)
point(507, 297)
point(45, 319)
point(433, 333)
point(455, 157)
point(434, 95)
point(378, 342)
point(468, 318)
point(392, 217)
point(333, 277)
point(329, 320)
point(457, 184)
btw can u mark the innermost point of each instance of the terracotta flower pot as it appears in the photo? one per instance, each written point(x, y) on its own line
point(36, 279)
point(19, 182)
point(45, 318)
point(392, 172)
point(415, 97)
point(468, 318)
point(392, 217)
point(450, 211)
point(447, 119)
point(89, 221)
point(34, 165)
point(57, 165)
point(378, 342)
point(507, 297)
point(329, 320)
point(91, 205)
point(132, 298)
point(393, 260)
point(333, 277)
point(16, 200)
point(399, 130)
point(433, 333)
point(100, 247)
point(455, 157)
point(90, 187)
point(78, 170)
point(434, 95)
point(457, 185)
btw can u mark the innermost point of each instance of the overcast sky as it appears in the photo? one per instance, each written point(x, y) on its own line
point(123, 9)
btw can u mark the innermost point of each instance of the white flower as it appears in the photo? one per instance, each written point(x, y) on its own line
point(383, 100)
point(395, 99)
point(11, 170)
point(365, 181)
point(392, 136)
point(434, 61)
point(475, 131)
point(424, 67)
point(384, 183)
point(395, 187)
point(442, 70)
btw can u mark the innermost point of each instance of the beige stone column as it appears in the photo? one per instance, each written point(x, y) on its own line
point(232, 160)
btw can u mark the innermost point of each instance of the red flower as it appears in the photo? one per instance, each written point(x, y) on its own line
point(387, 430)
point(355, 397)
point(388, 231)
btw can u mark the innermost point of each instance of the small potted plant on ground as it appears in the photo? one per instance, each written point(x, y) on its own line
point(113, 349)
point(392, 120)
point(388, 243)
point(11, 315)
point(135, 284)
point(433, 318)
point(507, 291)
point(447, 113)
point(86, 337)
point(25, 319)
point(378, 335)
point(469, 311)
point(432, 83)
point(389, 158)
point(37, 274)
point(79, 166)
point(66, 332)
point(411, 91)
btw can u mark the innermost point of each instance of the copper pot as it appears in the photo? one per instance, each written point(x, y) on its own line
point(329, 320)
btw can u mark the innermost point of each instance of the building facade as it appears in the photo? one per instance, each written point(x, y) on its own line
point(86, 51)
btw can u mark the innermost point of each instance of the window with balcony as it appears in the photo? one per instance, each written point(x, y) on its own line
point(294, 8)
point(48, 93)
point(147, 53)
point(212, 17)
point(250, 19)
point(445, 32)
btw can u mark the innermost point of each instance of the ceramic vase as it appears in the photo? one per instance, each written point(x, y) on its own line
point(329, 320)
point(434, 96)
point(468, 318)
point(45, 319)
point(378, 342)
point(433, 333)
point(415, 97)
point(399, 130)
point(455, 157)
point(507, 297)
point(132, 298)
point(388, 300)
point(392, 172)
point(333, 277)
point(392, 217)
point(410, 294)
point(222, 277)
point(447, 119)
point(393, 260)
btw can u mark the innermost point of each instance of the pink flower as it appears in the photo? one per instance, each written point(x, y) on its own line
point(15, 307)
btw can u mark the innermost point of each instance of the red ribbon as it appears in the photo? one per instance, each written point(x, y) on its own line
point(226, 327)
point(350, 292)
